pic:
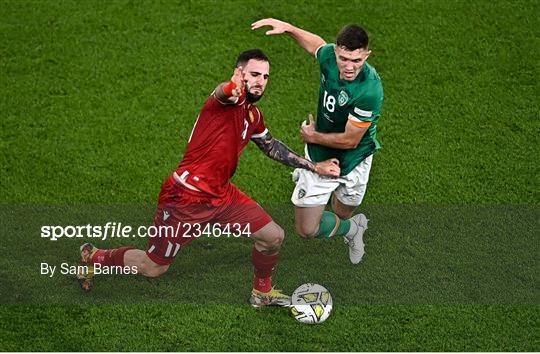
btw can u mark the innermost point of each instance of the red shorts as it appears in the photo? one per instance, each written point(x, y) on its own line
point(184, 215)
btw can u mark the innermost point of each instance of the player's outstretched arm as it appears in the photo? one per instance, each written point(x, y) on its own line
point(307, 40)
point(278, 151)
point(228, 92)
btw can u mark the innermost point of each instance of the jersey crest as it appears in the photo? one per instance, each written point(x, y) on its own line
point(343, 98)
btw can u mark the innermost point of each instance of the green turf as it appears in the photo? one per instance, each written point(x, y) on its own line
point(97, 100)
point(234, 328)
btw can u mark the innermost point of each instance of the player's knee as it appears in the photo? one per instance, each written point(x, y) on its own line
point(280, 236)
point(306, 231)
point(274, 243)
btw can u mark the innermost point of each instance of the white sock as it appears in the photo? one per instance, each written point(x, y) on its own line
point(352, 230)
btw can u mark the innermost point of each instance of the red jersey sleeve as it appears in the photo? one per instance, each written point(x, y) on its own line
point(260, 128)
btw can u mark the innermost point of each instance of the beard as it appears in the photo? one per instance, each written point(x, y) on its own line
point(252, 98)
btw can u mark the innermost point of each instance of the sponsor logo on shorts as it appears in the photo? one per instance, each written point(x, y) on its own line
point(301, 193)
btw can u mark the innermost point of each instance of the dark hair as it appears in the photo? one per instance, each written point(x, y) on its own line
point(352, 37)
point(256, 54)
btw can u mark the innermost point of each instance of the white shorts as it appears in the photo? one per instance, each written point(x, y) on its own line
point(313, 190)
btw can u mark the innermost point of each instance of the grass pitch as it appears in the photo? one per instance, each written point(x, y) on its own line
point(97, 102)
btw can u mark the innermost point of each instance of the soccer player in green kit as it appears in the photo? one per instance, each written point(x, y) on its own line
point(350, 101)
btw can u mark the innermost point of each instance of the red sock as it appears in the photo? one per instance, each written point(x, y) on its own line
point(111, 257)
point(264, 265)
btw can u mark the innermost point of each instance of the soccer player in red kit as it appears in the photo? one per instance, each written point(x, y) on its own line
point(199, 193)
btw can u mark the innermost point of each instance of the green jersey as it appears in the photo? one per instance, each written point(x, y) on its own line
point(340, 101)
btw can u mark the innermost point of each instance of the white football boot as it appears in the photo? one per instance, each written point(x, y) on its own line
point(356, 241)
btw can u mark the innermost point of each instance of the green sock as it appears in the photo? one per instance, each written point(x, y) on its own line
point(331, 225)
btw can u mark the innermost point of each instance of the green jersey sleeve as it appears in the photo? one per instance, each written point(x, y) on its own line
point(324, 52)
point(366, 109)
point(367, 105)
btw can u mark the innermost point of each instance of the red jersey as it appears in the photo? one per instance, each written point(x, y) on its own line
point(217, 140)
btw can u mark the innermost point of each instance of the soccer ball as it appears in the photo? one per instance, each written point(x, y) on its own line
point(311, 303)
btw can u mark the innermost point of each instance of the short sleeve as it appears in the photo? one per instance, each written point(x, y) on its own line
point(260, 129)
point(324, 52)
point(363, 112)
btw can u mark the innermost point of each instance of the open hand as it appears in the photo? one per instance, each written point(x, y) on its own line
point(278, 27)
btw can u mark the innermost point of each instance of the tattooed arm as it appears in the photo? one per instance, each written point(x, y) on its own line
point(278, 151)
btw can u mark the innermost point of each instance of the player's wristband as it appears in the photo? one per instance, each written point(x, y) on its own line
point(227, 89)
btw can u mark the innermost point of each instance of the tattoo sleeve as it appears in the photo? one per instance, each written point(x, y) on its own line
point(278, 151)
